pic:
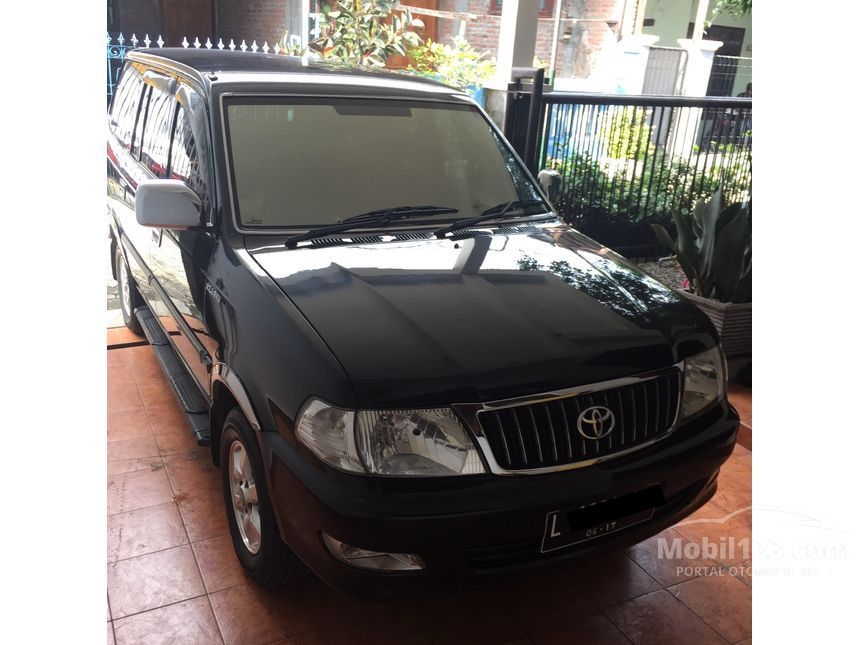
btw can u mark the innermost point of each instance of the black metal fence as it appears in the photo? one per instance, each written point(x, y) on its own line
point(627, 162)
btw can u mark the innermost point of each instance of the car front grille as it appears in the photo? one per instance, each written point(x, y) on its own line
point(545, 434)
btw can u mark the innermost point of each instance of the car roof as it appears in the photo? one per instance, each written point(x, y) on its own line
point(207, 65)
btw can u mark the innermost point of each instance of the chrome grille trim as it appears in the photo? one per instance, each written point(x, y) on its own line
point(469, 412)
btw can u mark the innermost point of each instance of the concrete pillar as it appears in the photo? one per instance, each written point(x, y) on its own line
point(632, 60)
point(700, 58)
point(517, 35)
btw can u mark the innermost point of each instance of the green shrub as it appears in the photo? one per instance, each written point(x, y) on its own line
point(360, 32)
point(625, 134)
point(460, 65)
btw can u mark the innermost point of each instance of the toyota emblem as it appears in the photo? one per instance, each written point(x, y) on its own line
point(595, 422)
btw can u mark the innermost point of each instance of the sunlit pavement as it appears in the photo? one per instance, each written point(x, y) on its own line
point(173, 577)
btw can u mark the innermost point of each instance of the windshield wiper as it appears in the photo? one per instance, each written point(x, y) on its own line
point(494, 212)
point(379, 217)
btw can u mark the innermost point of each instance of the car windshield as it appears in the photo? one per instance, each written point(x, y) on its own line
point(311, 162)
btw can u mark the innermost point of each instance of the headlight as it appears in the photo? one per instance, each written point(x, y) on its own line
point(704, 381)
point(416, 442)
point(328, 432)
point(426, 443)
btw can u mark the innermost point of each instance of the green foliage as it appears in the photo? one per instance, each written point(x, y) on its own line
point(625, 134)
point(657, 188)
point(364, 32)
point(460, 66)
point(714, 248)
point(733, 7)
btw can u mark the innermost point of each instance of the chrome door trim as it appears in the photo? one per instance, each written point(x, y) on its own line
point(469, 412)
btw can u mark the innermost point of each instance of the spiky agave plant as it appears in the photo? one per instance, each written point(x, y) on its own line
point(714, 248)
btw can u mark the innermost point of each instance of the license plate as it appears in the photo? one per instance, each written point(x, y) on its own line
point(558, 532)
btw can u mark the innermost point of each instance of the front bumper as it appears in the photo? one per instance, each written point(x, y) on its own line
point(469, 528)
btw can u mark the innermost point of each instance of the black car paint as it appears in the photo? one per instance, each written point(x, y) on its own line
point(401, 323)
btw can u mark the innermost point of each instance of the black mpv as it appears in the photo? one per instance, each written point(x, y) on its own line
point(410, 371)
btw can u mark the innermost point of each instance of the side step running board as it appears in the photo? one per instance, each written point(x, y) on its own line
point(188, 394)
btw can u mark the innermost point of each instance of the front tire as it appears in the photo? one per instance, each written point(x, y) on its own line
point(129, 296)
point(256, 540)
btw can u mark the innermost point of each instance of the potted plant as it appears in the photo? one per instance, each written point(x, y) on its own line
point(714, 249)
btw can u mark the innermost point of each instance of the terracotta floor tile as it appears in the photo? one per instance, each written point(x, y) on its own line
point(122, 335)
point(195, 477)
point(153, 580)
point(489, 619)
point(382, 628)
point(141, 447)
point(187, 623)
point(167, 418)
point(745, 436)
point(122, 391)
point(661, 557)
point(181, 446)
point(740, 451)
point(126, 425)
point(546, 600)
point(734, 486)
point(117, 357)
point(593, 629)
point(131, 465)
point(145, 365)
point(249, 615)
point(741, 398)
point(156, 392)
point(144, 531)
point(203, 515)
point(661, 619)
point(138, 489)
point(612, 579)
point(218, 563)
point(723, 601)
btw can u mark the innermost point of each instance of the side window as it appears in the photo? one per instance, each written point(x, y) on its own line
point(141, 121)
point(155, 146)
point(126, 103)
point(185, 161)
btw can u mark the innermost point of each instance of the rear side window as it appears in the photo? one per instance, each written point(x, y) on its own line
point(185, 163)
point(141, 122)
point(126, 103)
point(156, 132)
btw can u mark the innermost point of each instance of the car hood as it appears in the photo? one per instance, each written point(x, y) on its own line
point(428, 321)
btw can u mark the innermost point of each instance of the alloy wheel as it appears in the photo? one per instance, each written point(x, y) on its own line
point(243, 493)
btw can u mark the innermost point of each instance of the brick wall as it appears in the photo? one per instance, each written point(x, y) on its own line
point(138, 17)
point(580, 44)
point(260, 20)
